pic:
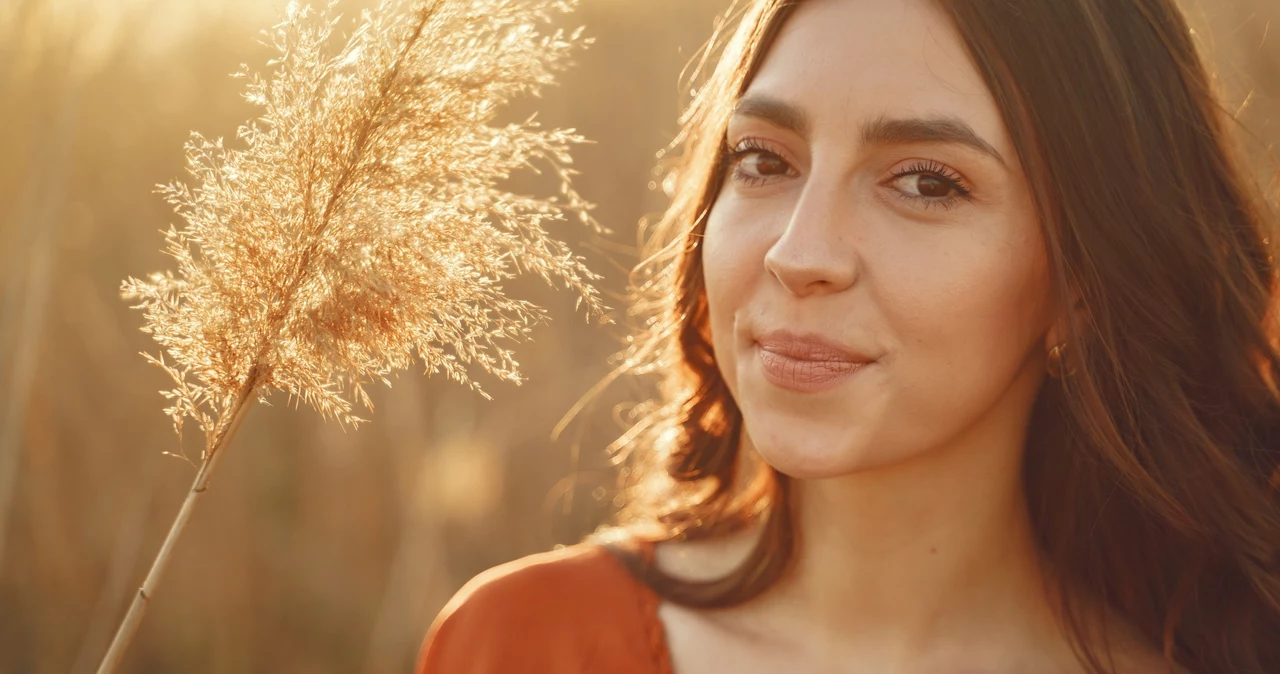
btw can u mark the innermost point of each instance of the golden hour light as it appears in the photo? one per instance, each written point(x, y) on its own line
point(639, 336)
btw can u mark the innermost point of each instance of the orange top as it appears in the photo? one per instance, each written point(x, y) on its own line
point(575, 610)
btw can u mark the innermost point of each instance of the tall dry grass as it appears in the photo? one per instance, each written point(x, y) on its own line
point(318, 550)
point(359, 225)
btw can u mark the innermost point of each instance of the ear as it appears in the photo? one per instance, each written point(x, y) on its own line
point(1060, 329)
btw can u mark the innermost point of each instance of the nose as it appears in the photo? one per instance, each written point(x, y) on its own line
point(815, 254)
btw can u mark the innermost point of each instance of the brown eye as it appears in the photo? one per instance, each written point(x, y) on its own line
point(764, 164)
point(933, 186)
point(929, 185)
point(752, 165)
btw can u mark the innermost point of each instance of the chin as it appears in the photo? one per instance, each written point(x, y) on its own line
point(810, 454)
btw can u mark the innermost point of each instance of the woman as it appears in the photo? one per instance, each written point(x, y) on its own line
point(964, 318)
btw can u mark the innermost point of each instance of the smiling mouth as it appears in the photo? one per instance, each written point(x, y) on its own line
point(806, 364)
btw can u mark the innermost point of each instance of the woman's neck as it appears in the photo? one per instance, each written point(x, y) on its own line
point(907, 567)
point(921, 557)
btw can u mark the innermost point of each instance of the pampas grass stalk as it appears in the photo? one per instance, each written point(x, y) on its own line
point(361, 223)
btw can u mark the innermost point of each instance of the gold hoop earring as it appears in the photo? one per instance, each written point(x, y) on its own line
point(1055, 365)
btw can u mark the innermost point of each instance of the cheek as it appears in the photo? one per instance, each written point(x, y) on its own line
point(732, 266)
point(734, 245)
point(977, 308)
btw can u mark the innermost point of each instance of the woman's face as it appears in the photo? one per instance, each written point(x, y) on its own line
point(874, 266)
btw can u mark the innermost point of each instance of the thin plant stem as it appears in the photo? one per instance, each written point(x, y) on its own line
point(362, 226)
point(132, 619)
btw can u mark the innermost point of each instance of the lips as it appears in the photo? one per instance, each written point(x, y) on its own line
point(807, 363)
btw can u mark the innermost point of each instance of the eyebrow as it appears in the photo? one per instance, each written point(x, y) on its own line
point(880, 131)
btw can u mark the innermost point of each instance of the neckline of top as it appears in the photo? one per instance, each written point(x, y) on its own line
point(649, 601)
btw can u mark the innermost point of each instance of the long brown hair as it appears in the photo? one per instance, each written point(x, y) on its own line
point(1151, 472)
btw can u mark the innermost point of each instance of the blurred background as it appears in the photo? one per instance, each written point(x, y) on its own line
point(315, 550)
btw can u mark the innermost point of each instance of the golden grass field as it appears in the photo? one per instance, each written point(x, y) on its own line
point(315, 549)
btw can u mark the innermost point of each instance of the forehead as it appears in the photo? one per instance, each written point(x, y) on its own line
point(847, 61)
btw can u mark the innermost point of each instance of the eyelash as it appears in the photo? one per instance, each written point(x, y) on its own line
point(933, 168)
point(731, 157)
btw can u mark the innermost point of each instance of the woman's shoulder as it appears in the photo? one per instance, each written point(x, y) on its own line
point(560, 584)
point(572, 609)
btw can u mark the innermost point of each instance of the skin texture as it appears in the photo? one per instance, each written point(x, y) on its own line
point(916, 553)
point(950, 295)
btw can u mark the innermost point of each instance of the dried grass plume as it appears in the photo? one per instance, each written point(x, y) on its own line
point(362, 223)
